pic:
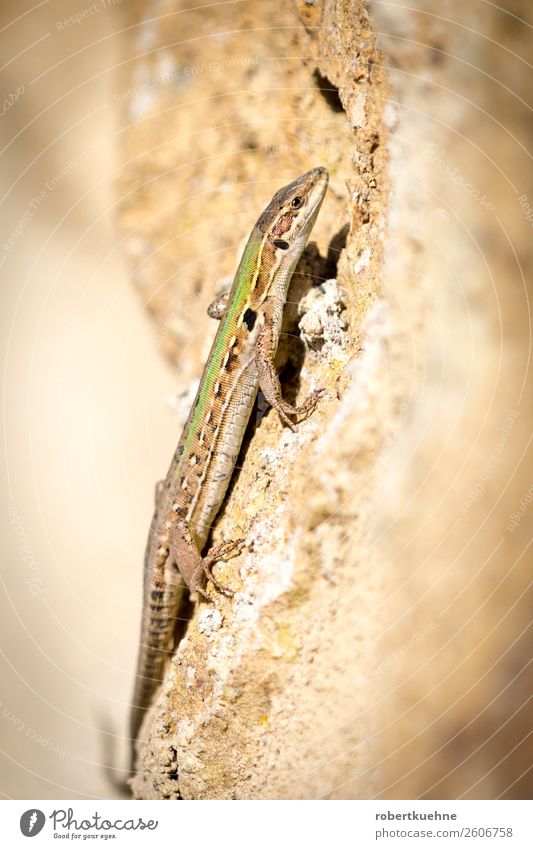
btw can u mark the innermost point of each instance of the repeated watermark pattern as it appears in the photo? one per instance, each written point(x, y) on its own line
point(395, 656)
point(178, 75)
point(11, 99)
point(400, 652)
point(33, 579)
point(492, 462)
point(526, 208)
point(321, 149)
point(47, 189)
point(87, 12)
point(436, 156)
point(22, 728)
point(518, 515)
point(167, 330)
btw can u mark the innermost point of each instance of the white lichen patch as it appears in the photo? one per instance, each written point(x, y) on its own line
point(363, 261)
point(190, 676)
point(365, 372)
point(209, 620)
point(324, 320)
point(271, 456)
point(357, 111)
point(277, 567)
point(260, 589)
point(185, 729)
point(276, 458)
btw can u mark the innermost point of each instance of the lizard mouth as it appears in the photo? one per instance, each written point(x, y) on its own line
point(315, 183)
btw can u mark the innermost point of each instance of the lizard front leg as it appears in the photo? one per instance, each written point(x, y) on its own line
point(265, 352)
point(185, 554)
point(218, 306)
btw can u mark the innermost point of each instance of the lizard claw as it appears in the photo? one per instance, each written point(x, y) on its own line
point(223, 552)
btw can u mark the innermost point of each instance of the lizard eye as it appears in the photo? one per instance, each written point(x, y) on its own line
point(296, 203)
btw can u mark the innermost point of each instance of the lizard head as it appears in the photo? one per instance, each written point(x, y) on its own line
point(290, 215)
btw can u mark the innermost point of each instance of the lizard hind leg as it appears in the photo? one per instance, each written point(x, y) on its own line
point(225, 551)
point(187, 558)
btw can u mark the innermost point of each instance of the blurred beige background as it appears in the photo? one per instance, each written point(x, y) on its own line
point(83, 389)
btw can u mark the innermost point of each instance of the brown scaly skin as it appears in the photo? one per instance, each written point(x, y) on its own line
point(241, 361)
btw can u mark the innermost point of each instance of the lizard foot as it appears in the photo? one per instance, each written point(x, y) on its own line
point(222, 552)
point(285, 410)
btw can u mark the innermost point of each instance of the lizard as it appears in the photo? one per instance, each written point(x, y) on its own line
point(240, 361)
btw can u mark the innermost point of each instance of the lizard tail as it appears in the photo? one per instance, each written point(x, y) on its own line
point(116, 779)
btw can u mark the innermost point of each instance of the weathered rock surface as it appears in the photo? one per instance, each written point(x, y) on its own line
point(374, 646)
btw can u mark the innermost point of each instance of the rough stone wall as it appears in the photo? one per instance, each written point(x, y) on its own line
point(369, 649)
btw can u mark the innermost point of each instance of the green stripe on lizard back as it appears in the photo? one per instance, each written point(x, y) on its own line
point(243, 284)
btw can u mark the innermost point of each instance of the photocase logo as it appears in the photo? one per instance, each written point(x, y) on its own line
point(32, 822)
